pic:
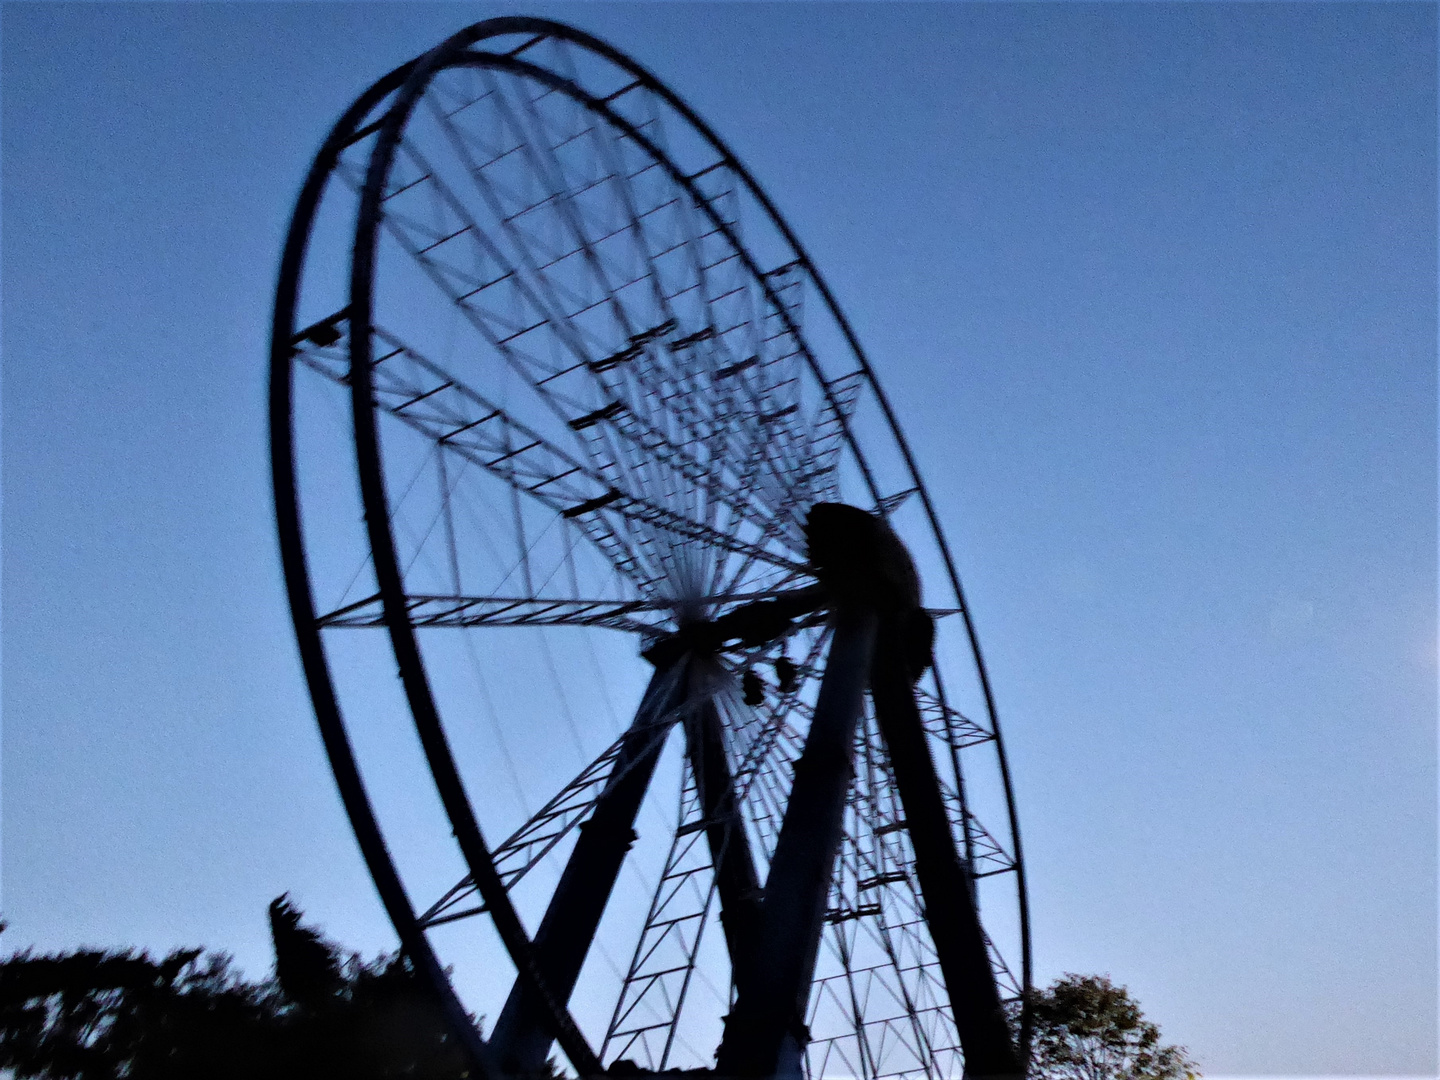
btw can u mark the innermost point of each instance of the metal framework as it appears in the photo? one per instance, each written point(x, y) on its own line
point(592, 383)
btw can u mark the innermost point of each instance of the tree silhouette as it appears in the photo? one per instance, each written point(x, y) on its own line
point(1087, 1028)
point(92, 1015)
point(95, 1015)
point(307, 967)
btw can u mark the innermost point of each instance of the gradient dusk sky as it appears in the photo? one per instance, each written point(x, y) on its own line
point(1153, 288)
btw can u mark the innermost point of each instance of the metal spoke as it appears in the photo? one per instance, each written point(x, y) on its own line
point(646, 439)
point(649, 618)
point(435, 402)
point(466, 611)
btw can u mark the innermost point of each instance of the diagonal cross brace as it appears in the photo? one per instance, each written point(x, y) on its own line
point(522, 1036)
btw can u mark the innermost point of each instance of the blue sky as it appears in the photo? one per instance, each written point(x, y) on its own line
point(1153, 288)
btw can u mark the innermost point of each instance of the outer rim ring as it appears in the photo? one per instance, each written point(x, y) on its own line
point(297, 581)
point(412, 79)
point(388, 576)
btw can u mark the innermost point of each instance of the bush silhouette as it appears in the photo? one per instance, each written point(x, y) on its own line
point(102, 1015)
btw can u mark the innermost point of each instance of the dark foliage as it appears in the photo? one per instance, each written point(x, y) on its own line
point(91, 1015)
point(307, 967)
point(1087, 1028)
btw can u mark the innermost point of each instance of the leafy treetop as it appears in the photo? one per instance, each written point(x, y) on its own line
point(1084, 1027)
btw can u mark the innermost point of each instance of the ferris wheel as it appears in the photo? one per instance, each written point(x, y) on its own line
point(605, 554)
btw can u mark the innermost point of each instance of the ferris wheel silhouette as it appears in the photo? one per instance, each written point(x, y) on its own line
point(591, 385)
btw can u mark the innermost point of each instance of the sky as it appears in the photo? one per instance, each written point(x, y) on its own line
point(1153, 290)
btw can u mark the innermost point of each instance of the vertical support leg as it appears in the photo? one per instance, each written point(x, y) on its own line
point(735, 878)
point(522, 1036)
point(765, 1033)
point(944, 880)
